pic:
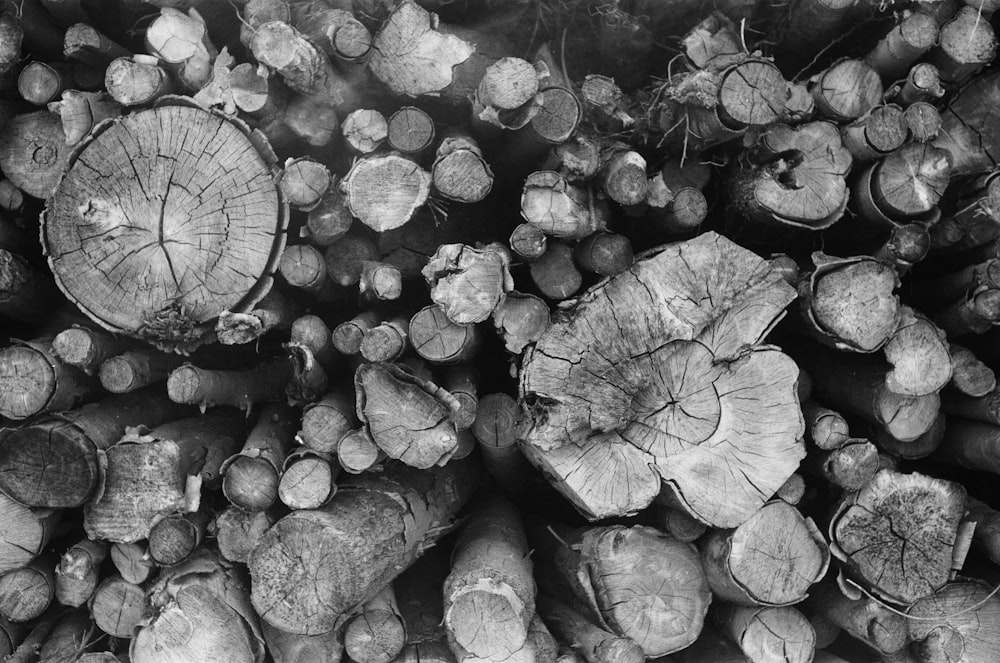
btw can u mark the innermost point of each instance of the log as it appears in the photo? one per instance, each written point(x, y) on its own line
point(135, 369)
point(555, 273)
point(357, 452)
point(746, 567)
point(847, 90)
point(865, 619)
point(34, 381)
point(813, 24)
point(411, 130)
point(24, 532)
point(26, 593)
point(849, 467)
point(907, 245)
point(303, 266)
point(527, 241)
point(118, 607)
point(958, 622)
point(34, 153)
point(182, 42)
point(274, 312)
point(86, 44)
point(781, 635)
point(237, 532)
point(922, 84)
point(307, 479)
point(78, 572)
point(915, 518)
point(986, 538)
point(146, 477)
point(302, 592)
point(12, 34)
point(461, 381)
point(973, 221)
point(344, 257)
point(635, 582)
point(178, 307)
point(913, 35)
point(325, 422)
point(904, 186)
point(67, 638)
point(384, 191)
point(469, 283)
point(460, 172)
point(918, 353)
point(604, 253)
point(287, 647)
point(410, 419)
point(380, 281)
point(205, 614)
point(24, 288)
point(39, 82)
point(365, 130)
point(877, 133)
point(250, 478)
point(666, 515)
point(28, 650)
point(304, 182)
point(674, 212)
point(792, 491)
point(311, 332)
point(87, 349)
point(439, 340)
point(971, 444)
point(970, 376)
point(622, 175)
point(239, 389)
point(561, 209)
point(497, 415)
point(576, 159)
point(521, 320)
point(386, 341)
point(132, 561)
point(347, 336)
point(489, 596)
point(175, 538)
point(329, 220)
point(967, 43)
point(592, 642)
point(602, 458)
point(923, 120)
point(506, 94)
point(825, 429)
point(137, 80)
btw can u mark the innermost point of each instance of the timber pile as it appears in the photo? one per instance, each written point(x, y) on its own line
point(499, 331)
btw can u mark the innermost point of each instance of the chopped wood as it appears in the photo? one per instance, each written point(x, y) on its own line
point(555, 273)
point(34, 153)
point(974, 220)
point(34, 381)
point(461, 381)
point(304, 266)
point(237, 532)
point(847, 90)
point(825, 428)
point(622, 175)
point(793, 490)
point(958, 622)
point(304, 182)
point(307, 479)
point(347, 336)
point(918, 352)
point(667, 516)
point(240, 389)
point(378, 633)
point(365, 130)
point(39, 82)
point(78, 572)
point(595, 644)
point(967, 43)
point(971, 444)
point(469, 283)
point(384, 191)
point(915, 519)
point(877, 133)
point(329, 220)
point(85, 44)
point(380, 281)
point(25, 532)
point(386, 341)
point(410, 419)
point(676, 212)
point(577, 159)
point(80, 112)
point(561, 209)
point(182, 42)
point(864, 618)
point(411, 130)
point(521, 320)
point(761, 633)
point(922, 84)
point(300, 591)
point(907, 244)
point(273, 312)
point(920, 447)
point(986, 538)
point(326, 421)
point(137, 80)
point(25, 593)
point(87, 349)
point(135, 369)
point(250, 478)
point(905, 185)
point(604, 253)
point(748, 567)
point(118, 607)
point(970, 376)
point(132, 561)
point(849, 467)
point(913, 35)
point(460, 172)
point(67, 637)
point(357, 452)
point(923, 120)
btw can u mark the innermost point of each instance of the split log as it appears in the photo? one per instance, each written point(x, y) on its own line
point(203, 613)
point(237, 532)
point(410, 419)
point(34, 153)
point(34, 381)
point(26, 593)
point(307, 479)
point(137, 80)
point(250, 478)
point(181, 40)
point(958, 622)
point(177, 304)
point(24, 532)
point(561, 209)
point(344, 257)
point(636, 582)
point(439, 340)
point(849, 303)
point(26, 292)
point(239, 389)
point(866, 619)
point(287, 647)
point(468, 283)
point(299, 591)
point(612, 459)
point(765, 635)
point(795, 176)
point(521, 320)
point(913, 35)
point(411, 130)
point(384, 191)
point(849, 467)
point(386, 341)
point(347, 336)
point(365, 130)
point(78, 572)
point(915, 520)
point(595, 644)
point(489, 596)
point(118, 607)
point(967, 44)
point(357, 452)
point(135, 369)
point(750, 565)
point(147, 476)
point(555, 273)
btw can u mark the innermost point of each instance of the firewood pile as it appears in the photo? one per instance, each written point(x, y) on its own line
point(499, 331)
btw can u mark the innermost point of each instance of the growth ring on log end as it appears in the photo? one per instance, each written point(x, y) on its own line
point(164, 219)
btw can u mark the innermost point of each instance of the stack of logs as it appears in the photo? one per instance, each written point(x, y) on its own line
point(499, 331)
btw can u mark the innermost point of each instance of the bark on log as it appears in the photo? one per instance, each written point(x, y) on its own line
point(411, 130)
point(307, 479)
point(287, 647)
point(754, 565)
point(849, 467)
point(344, 257)
point(611, 459)
point(967, 43)
point(959, 622)
point(825, 428)
point(26, 593)
point(34, 153)
point(26, 470)
point(378, 633)
point(87, 349)
point(439, 340)
point(520, 320)
point(768, 635)
point(409, 509)
point(85, 44)
point(135, 369)
point(118, 607)
point(386, 341)
point(555, 274)
point(973, 445)
point(905, 186)
point(489, 596)
point(88, 220)
point(913, 35)
point(460, 172)
point(561, 209)
point(175, 537)
point(365, 130)
point(877, 133)
point(239, 389)
point(133, 562)
point(24, 532)
point(410, 419)
point(137, 80)
point(78, 572)
point(250, 478)
point(34, 381)
point(865, 619)
point(915, 520)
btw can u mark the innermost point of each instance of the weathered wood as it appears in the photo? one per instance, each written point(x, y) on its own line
point(180, 303)
point(460, 172)
point(847, 90)
point(325, 422)
point(559, 208)
point(865, 619)
point(78, 572)
point(877, 133)
point(386, 341)
point(748, 567)
point(135, 369)
point(905, 185)
point(765, 635)
point(825, 428)
point(286, 647)
point(85, 44)
point(118, 607)
point(595, 644)
point(850, 466)
point(34, 381)
point(137, 80)
point(915, 519)
point(182, 42)
point(411, 130)
point(307, 479)
point(958, 622)
point(241, 389)
point(604, 253)
point(24, 532)
point(967, 43)
point(34, 153)
point(357, 452)
point(365, 130)
point(913, 35)
point(132, 561)
point(87, 349)
point(347, 336)
point(26, 593)
point(555, 273)
point(439, 340)
point(250, 478)
point(39, 82)
point(409, 508)
point(469, 283)
point(237, 532)
point(384, 191)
